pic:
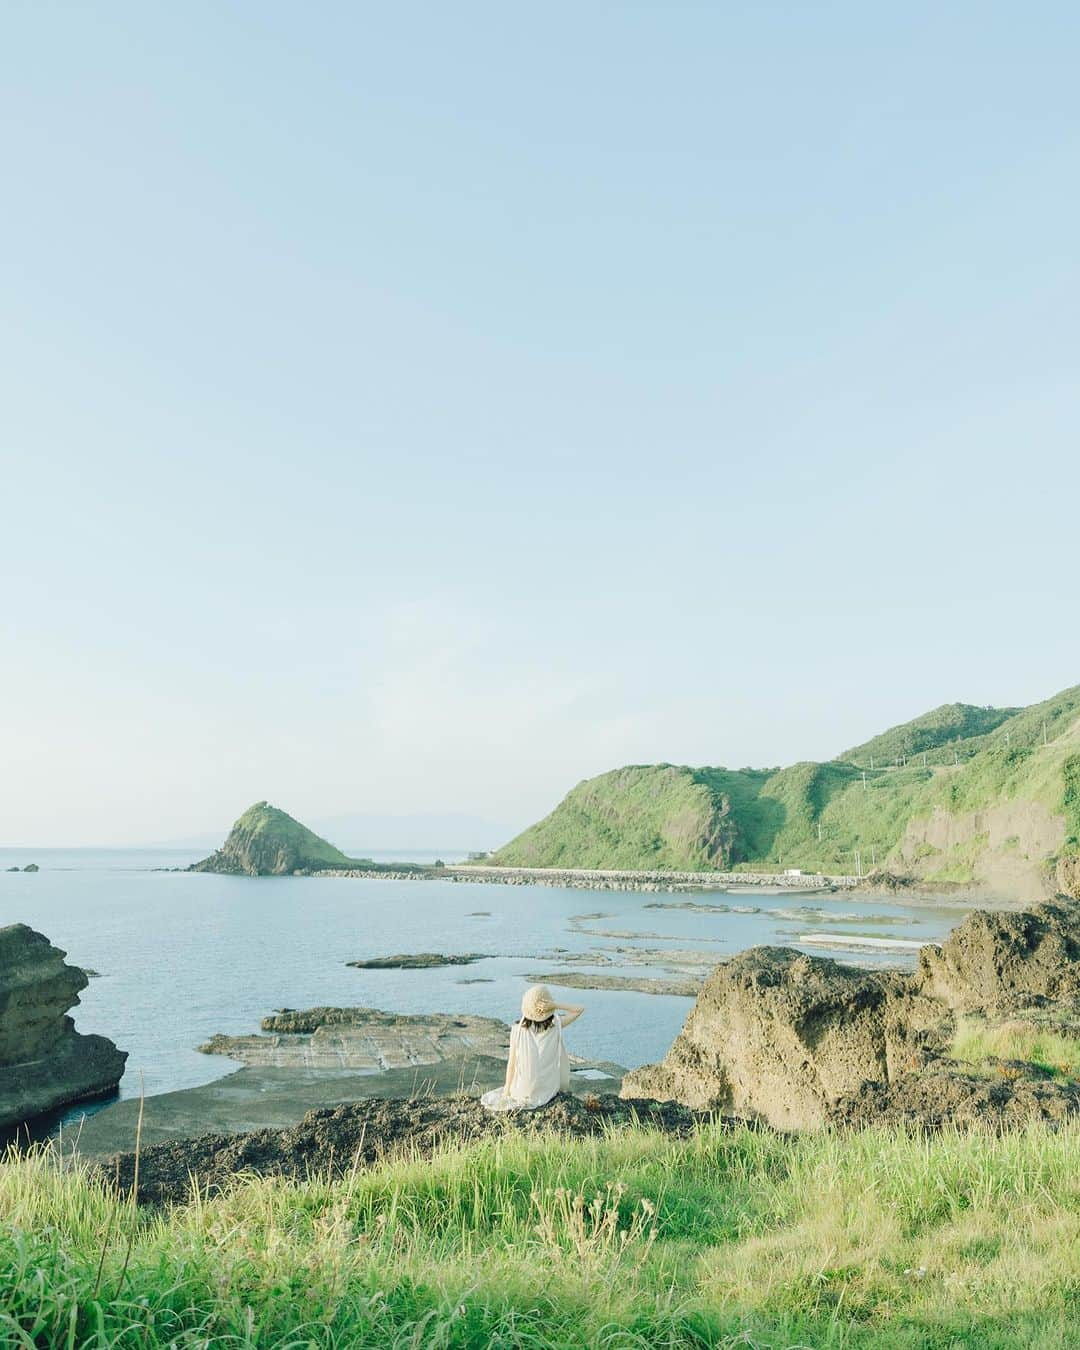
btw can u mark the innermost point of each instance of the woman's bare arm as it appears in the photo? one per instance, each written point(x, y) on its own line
point(570, 1013)
point(511, 1063)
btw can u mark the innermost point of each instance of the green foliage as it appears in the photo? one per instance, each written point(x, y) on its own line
point(268, 826)
point(1071, 799)
point(731, 1237)
point(815, 816)
point(953, 726)
point(1055, 1052)
point(642, 816)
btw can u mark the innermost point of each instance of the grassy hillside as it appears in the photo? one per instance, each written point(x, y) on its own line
point(639, 817)
point(266, 841)
point(264, 825)
point(634, 1239)
point(953, 731)
point(1020, 772)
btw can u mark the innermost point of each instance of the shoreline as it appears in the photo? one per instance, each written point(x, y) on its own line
point(604, 879)
point(873, 889)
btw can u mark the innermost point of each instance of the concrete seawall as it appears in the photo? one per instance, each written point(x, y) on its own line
point(604, 880)
point(587, 879)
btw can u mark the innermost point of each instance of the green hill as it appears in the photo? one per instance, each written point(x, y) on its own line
point(266, 841)
point(1004, 811)
point(955, 730)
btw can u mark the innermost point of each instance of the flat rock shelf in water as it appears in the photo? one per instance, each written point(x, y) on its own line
point(687, 986)
point(364, 1039)
point(416, 961)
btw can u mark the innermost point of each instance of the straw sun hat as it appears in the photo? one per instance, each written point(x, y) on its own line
point(537, 1004)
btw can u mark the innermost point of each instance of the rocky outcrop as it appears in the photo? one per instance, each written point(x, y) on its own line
point(945, 1096)
point(781, 1035)
point(800, 1040)
point(267, 842)
point(999, 962)
point(1068, 875)
point(335, 1141)
point(45, 1064)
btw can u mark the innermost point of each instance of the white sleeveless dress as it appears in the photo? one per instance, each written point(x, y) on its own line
point(541, 1069)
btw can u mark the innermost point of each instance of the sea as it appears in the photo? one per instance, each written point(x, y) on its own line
point(178, 956)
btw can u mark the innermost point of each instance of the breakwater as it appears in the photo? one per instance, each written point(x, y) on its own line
point(589, 879)
point(605, 880)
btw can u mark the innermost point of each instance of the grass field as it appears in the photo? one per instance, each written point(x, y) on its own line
point(1056, 1054)
point(738, 1238)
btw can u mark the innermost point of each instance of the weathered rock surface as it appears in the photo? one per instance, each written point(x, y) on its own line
point(416, 961)
point(944, 1095)
point(335, 1141)
point(781, 1035)
point(996, 962)
point(1068, 875)
point(365, 1039)
point(787, 1037)
point(45, 1064)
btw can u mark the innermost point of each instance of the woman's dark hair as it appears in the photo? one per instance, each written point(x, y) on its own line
point(530, 1025)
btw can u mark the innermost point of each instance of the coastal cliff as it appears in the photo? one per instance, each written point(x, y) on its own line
point(962, 796)
point(45, 1064)
point(268, 842)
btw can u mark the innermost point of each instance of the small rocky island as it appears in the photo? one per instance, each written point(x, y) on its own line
point(268, 842)
point(45, 1064)
point(417, 961)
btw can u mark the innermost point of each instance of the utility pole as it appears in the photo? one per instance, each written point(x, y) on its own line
point(819, 831)
point(924, 759)
point(955, 756)
point(871, 763)
point(864, 780)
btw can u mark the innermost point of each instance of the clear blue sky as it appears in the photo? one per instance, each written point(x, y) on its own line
point(422, 407)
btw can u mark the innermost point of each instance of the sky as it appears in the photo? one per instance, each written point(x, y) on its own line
point(419, 408)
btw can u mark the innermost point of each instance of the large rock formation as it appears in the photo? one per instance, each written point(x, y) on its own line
point(45, 1063)
point(267, 842)
point(798, 1039)
point(781, 1035)
point(999, 962)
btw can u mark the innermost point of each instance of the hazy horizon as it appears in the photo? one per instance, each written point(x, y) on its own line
point(415, 411)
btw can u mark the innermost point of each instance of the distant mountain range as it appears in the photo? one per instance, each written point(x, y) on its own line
point(961, 795)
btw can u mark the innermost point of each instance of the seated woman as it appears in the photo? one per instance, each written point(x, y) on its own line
point(539, 1066)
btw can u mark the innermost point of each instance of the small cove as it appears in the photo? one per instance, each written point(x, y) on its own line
point(182, 956)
